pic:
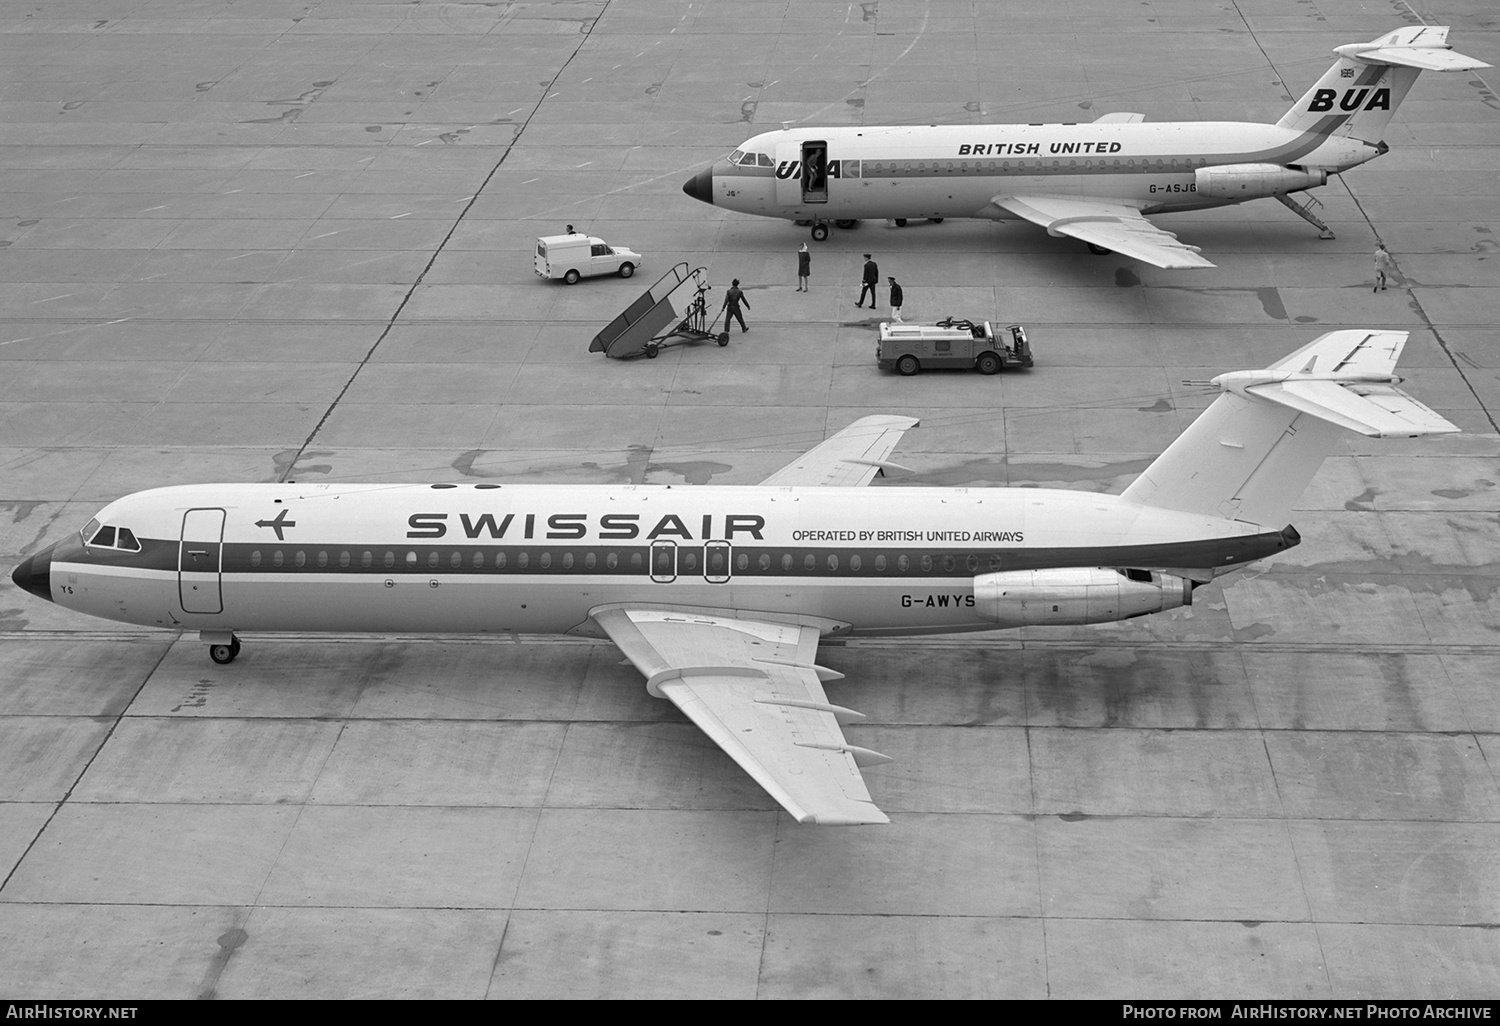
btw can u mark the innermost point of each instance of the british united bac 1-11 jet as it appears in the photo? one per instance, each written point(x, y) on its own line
point(1095, 182)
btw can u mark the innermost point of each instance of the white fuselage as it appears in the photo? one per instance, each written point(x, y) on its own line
point(959, 171)
point(537, 559)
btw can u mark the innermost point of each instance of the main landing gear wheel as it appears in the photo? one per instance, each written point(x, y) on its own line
point(820, 232)
point(935, 220)
point(1099, 250)
point(845, 223)
point(224, 654)
point(908, 365)
point(900, 222)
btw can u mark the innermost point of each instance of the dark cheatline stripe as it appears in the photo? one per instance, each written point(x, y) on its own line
point(739, 561)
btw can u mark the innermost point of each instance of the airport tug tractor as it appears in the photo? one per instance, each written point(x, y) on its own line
point(950, 344)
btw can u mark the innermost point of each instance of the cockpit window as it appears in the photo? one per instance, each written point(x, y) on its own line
point(763, 160)
point(748, 160)
point(734, 158)
point(88, 530)
point(109, 537)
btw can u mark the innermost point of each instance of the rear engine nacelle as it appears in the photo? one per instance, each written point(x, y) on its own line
point(1252, 181)
point(1033, 598)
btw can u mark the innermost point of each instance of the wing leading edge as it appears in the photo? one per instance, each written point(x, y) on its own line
point(752, 687)
point(1115, 226)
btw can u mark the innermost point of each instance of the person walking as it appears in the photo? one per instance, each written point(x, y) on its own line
point(732, 300)
point(896, 298)
point(804, 267)
point(1383, 266)
point(868, 282)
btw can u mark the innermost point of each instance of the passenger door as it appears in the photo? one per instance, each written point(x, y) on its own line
point(199, 561)
point(788, 174)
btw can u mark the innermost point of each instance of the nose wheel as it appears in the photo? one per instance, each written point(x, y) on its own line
point(225, 653)
point(819, 232)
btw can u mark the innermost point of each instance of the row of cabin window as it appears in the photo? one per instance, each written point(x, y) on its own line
point(851, 168)
point(857, 563)
point(991, 166)
point(455, 561)
point(666, 561)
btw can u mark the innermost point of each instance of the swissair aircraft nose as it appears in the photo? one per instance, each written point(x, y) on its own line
point(701, 186)
point(34, 574)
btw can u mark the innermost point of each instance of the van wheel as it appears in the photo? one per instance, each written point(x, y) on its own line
point(908, 365)
point(571, 277)
point(846, 223)
point(820, 232)
point(988, 363)
point(626, 270)
point(900, 222)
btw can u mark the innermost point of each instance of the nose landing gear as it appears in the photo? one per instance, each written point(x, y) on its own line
point(223, 646)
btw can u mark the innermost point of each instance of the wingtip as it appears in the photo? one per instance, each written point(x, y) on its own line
point(872, 818)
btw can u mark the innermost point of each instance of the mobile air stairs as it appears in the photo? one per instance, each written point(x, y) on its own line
point(653, 322)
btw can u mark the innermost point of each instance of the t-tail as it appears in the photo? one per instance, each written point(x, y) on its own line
point(1251, 454)
point(1360, 93)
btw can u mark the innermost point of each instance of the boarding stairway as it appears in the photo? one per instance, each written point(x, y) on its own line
point(640, 328)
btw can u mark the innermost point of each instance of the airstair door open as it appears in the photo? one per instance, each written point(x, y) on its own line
point(815, 172)
point(199, 561)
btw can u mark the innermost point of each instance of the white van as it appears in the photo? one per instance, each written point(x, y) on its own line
point(575, 256)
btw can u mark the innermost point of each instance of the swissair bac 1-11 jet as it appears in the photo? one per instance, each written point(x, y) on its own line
point(720, 594)
point(1094, 182)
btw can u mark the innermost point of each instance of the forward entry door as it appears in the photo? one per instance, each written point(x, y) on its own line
point(200, 561)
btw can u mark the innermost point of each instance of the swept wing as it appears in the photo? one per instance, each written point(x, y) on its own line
point(851, 457)
point(752, 687)
point(1116, 226)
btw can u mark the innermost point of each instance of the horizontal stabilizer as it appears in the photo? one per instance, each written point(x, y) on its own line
point(1380, 410)
point(1346, 378)
point(1424, 47)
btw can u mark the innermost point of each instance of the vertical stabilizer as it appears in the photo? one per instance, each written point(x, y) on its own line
point(1358, 95)
point(1251, 454)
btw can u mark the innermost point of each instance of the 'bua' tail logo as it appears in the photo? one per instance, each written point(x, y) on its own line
point(1351, 100)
